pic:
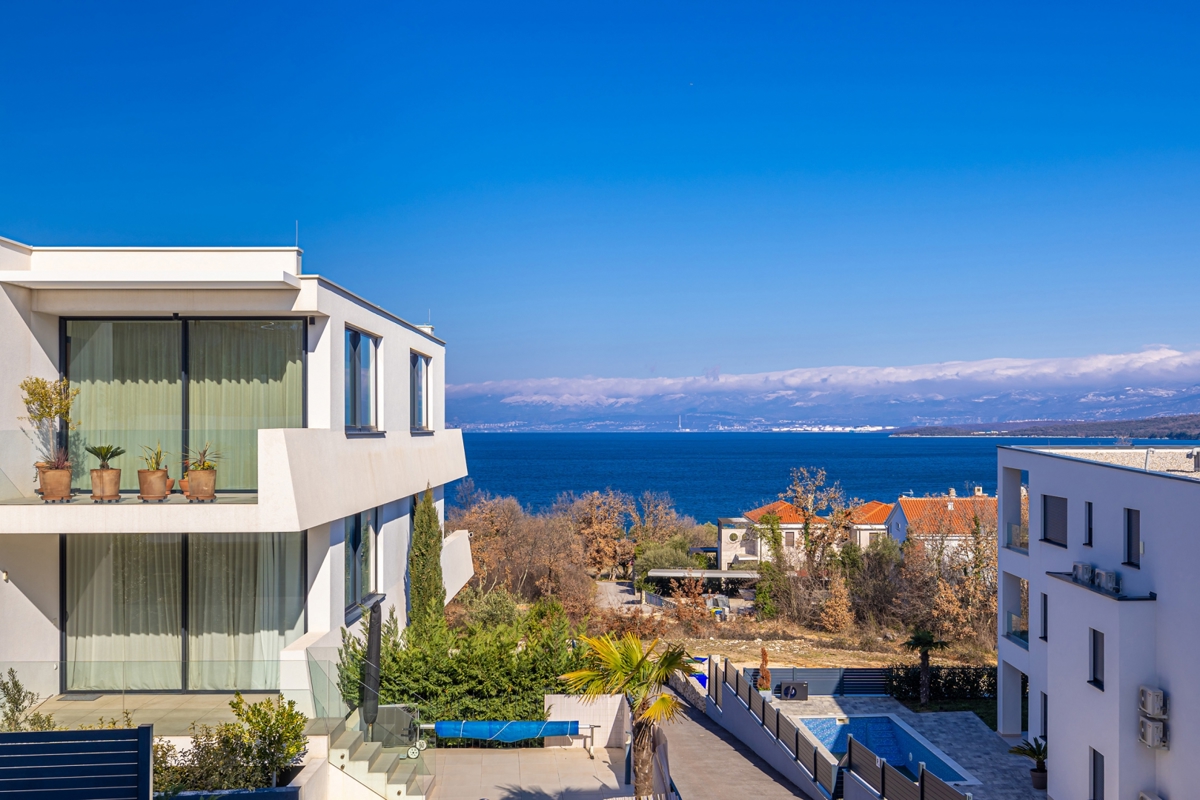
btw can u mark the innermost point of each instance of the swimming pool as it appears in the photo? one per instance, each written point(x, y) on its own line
point(889, 738)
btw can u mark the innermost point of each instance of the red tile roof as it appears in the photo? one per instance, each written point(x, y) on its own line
point(871, 513)
point(954, 516)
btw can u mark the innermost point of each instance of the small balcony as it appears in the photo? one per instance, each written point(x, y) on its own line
point(1016, 537)
point(1016, 629)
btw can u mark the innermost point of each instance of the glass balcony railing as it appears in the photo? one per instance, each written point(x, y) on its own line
point(1017, 629)
point(1016, 537)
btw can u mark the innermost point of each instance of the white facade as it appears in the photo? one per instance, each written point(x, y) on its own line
point(311, 477)
point(1148, 625)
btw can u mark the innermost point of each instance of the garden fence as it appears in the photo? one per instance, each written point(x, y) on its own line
point(77, 765)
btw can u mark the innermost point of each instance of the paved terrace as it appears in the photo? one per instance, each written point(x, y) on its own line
point(960, 734)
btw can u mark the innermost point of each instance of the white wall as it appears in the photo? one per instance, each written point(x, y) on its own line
point(609, 712)
point(29, 609)
point(1155, 642)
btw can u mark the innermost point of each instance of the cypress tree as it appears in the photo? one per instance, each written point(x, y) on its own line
point(427, 593)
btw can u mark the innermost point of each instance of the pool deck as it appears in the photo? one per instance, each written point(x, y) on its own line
point(960, 734)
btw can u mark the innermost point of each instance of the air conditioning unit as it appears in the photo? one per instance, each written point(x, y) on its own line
point(1081, 572)
point(1152, 702)
point(1107, 580)
point(1145, 796)
point(1152, 733)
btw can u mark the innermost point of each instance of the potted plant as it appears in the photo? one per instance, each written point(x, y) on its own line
point(1035, 750)
point(202, 473)
point(106, 481)
point(764, 679)
point(54, 475)
point(48, 412)
point(152, 481)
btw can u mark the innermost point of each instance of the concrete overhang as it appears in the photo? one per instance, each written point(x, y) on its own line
point(144, 279)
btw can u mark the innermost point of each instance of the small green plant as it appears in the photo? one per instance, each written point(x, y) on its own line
point(105, 453)
point(47, 402)
point(205, 458)
point(1035, 750)
point(16, 707)
point(155, 457)
point(276, 733)
point(111, 724)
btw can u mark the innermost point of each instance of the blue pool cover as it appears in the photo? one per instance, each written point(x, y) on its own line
point(884, 738)
point(504, 731)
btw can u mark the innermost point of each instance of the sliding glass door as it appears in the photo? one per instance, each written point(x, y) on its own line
point(182, 384)
point(165, 612)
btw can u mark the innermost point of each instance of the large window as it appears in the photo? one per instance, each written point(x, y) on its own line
point(361, 531)
point(419, 391)
point(361, 398)
point(1096, 670)
point(1097, 770)
point(1133, 538)
point(182, 384)
point(165, 612)
point(1054, 519)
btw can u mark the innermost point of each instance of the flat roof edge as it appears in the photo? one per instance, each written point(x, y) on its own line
point(1139, 471)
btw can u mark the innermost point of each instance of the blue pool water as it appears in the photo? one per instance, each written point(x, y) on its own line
point(883, 737)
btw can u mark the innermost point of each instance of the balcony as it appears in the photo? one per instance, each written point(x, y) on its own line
point(1016, 537)
point(1016, 629)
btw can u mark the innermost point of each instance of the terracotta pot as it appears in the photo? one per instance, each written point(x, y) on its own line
point(183, 484)
point(202, 484)
point(152, 483)
point(106, 483)
point(55, 483)
point(1039, 778)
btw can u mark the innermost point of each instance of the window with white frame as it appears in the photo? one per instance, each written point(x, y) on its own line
point(419, 391)
point(362, 406)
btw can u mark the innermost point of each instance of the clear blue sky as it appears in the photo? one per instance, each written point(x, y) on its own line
point(636, 189)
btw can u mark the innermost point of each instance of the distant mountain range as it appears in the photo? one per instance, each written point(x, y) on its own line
point(1158, 382)
point(1183, 426)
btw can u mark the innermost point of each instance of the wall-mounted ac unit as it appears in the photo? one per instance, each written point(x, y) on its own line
point(1152, 702)
point(1108, 581)
point(1081, 572)
point(1145, 796)
point(1152, 733)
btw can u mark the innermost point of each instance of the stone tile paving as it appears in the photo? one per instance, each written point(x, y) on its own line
point(529, 774)
point(960, 734)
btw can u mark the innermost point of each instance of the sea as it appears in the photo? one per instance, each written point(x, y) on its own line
point(711, 475)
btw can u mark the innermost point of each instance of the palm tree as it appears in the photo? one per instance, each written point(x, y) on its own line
point(622, 666)
point(923, 641)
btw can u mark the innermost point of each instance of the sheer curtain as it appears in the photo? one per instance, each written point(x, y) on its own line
point(243, 375)
point(245, 603)
point(124, 611)
point(130, 392)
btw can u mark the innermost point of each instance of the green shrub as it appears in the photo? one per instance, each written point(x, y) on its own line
point(248, 754)
point(492, 672)
point(945, 683)
point(426, 591)
point(489, 609)
point(16, 707)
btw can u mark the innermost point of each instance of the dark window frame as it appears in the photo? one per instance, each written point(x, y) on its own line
point(1045, 726)
point(1088, 512)
point(1133, 538)
point(425, 425)
point(1096, 658)
point(1096, 777)
point(1048, 501)
point(185, 363)
point(1045, 617)
point(350, 387)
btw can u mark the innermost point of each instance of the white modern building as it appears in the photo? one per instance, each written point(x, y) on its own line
point(326, 409)
point(1098, 604)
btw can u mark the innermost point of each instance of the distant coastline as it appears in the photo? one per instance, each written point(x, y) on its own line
point(1182, 427)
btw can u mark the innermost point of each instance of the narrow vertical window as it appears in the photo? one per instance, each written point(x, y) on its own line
point(360, 557)
point(361, 405)
point(1097, 666)
point(1045, 713)
point(1045, 616)
point(1133, 538)
point(419, 386)
point(1087, 530)
point(1097, 776)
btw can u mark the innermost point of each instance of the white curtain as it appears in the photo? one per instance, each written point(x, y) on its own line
point(246, 603)
point(130, 393)
point(124, 612)
point(243, 375)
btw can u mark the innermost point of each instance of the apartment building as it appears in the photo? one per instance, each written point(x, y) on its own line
point(1098, 599)
point(327, 412)
point(738, 540)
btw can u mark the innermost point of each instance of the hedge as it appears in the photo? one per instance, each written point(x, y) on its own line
point(945, 683)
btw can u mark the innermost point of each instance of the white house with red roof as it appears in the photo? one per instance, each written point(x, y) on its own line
point(738, 542)
point(948, 515)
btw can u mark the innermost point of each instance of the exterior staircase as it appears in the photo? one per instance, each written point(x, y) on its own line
point(389, 774)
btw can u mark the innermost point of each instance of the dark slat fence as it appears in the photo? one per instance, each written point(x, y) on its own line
point(77, 765)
